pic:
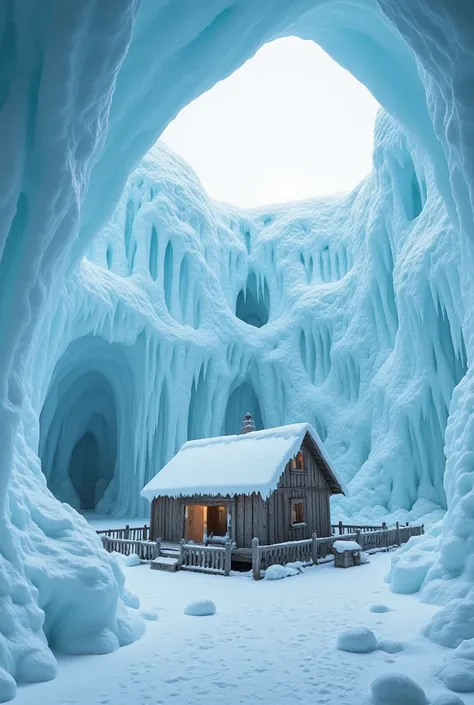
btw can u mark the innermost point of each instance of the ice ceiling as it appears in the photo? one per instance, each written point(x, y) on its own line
point(357, 312)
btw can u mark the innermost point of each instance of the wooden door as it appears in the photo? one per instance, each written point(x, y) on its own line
point(194, 523)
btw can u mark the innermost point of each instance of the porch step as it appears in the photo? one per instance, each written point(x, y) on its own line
point(165, 563)
point(169, 553)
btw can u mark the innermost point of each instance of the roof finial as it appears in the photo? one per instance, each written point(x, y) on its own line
point(248, 425)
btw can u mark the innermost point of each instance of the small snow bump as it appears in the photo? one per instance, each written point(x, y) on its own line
point(397, 689)
point(379, 609)
point(277, 572)
point(200, 608)
point(7, 687)
point(390, 647)
point(150, 616)
point(448, 699)
point(357, 640)
point(132, 560)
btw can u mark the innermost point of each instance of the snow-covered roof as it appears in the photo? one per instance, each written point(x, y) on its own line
point(231, 465)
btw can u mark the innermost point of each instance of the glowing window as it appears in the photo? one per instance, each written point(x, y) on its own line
point(297, 463)
point(297, 512)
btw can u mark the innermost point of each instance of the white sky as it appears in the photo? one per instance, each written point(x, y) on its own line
point(289, 124)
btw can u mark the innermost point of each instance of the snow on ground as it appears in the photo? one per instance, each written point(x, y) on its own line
point(269, 642)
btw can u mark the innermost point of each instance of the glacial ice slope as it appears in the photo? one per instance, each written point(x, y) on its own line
point(86, 89)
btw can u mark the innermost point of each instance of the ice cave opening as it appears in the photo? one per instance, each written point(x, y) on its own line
point(83, 426)
point(239, 153)
point(253, 302)
point(242, 399)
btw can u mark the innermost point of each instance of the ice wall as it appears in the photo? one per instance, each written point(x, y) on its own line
point(337, 311)
point(85, 90)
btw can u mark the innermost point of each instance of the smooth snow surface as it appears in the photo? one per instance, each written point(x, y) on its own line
point(201, 608)
point(267, 639)
point(230, 465)
point(353, 313)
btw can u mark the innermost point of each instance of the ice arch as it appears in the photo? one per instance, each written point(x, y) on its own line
point(147, 62)
point(86, 431)
point(243, 398)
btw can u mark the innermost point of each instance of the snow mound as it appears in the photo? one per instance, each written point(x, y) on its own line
point(277, 572)
point(409, 571)
point(379, 609)
point(457, 673)
point(447, 699)
point(390, 647)
point(452, 625)
point(7, 687)
point(357, 640)
point(200, 608)
point(364, 558)
point(296, 565)
point(132, 560)
point(131, 600)
point(150, 616)
point(397, 689)
point(341, 546)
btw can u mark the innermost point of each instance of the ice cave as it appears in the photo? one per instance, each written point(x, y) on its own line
point(137, 313)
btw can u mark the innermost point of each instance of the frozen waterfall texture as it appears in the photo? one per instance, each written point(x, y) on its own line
point(356, 312)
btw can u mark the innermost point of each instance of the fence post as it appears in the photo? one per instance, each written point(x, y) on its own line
point(397, 534)
point(127, 531)
point(181, 552)
point(340, 528)
point(228, 557)
point(358, 538)
point(407, 523)
point(256, 559)
point(384, 525)
point(422, 528)
point(157, 548)
point(145, 531)
point(105, 542)
point(314, 548)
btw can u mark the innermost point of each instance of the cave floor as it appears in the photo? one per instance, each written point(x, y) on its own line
point(270, 642)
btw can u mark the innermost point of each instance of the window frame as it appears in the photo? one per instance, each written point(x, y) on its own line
point(293, 463)
point(298, 524)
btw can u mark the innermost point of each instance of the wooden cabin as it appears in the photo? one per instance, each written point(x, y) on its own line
point(273, 484)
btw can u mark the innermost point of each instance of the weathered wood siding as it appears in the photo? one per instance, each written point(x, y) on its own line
point(251, 516)
point(167, 519)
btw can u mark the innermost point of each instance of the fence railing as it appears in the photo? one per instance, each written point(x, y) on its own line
point(342, 529)
point(135, 533)
point(146, 550)
point(314, 549)
point(205, 559)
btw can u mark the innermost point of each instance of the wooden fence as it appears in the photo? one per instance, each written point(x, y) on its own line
point(146, 550)
point(218, 559)
point(311, 550)
point(135, 533)
point(205, 559)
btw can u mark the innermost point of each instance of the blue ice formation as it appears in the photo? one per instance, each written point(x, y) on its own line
point(355, 311)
